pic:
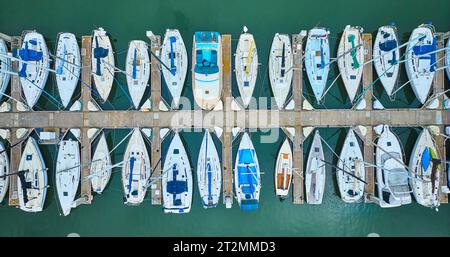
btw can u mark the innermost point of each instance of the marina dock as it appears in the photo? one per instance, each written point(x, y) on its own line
point(225, 118)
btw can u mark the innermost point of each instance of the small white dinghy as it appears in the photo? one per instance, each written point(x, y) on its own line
point(100, 166)
point(32, 178)
point(34, 67)
point(386, 56)
point(209, 172)
point(67, 174)
point(174, 55)
point(177, 180)
point(5, 68)
point(350, 59)
point(421, 60)
point(350, 168)
point(207, 69)
point(391, 174)
point(102, 63)
point(283, 170)
point(136, 169)
point(247, 176)
point(67, 66)
point(137, 70)
point(317, 59)
point(315, 172)
point(246, 66)
point(4, 171)
point(280, 68)
point(425, 170)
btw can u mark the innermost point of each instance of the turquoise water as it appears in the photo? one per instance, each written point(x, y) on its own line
point(126, 21)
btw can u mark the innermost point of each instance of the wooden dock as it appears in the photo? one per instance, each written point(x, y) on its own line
point(227, 164)
point(297, 178)
point(156, 187)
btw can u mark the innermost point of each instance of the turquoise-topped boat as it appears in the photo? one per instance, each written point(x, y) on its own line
point(207, 72)
point(247, 178)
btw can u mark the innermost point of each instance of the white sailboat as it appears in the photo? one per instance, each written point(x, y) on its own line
point(207, 69)
point(102, 63)
point(246, 66)
point(100, 166)
point(209, 172)
point(391, 174)
point(5, 68)
point(4, 171)
point(247, 176)
point(317, 59)
point(280, 68)
point(67, 174)
point(350, 59)
point(136, 169)
point(386, 56)
point(137, 70)
point(350, 167)
point(67, 66)
point(32, 178)
point(425, 170)
point(315, 172)
point(283, 170)
point(420, 58)
point(33, 67)
point(177, 183)
point(174, 55)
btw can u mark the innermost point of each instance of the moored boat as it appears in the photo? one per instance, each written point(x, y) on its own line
point(67, 66)
point(246, 66)
point(209, 172)
point(100, 166)
point(4, 171)
point(137, 70)
point(5, 68)
point(177, 181)
point(280, 68)
point(67, 174)
point(174, 55)
point(317, 59)
point(350, 59)
point(247, 178)
point(207, 71)
point(102, 63)
point(315, 172)
point(283, 170)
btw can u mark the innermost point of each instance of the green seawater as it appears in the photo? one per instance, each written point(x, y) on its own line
point(127, 20)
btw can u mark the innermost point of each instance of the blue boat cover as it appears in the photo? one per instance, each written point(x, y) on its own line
point(248, 205)
point(175, 187)
point(134, 63)
point(424, 50)
point(28, 55)
point(173, 68)
point(206, 58)
point(99, 52)
point(426, 159)
point(130, 178)
point(388, 45)
point(247, 175)
point(59, 70)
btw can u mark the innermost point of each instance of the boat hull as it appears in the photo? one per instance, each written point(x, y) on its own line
point(102, 61)
point(4, 170)
point(280, 68)
point(246, 67)
point(137, 70)
point(283, 170)
point(315, 172)
point(100, 166)
point(5, 65)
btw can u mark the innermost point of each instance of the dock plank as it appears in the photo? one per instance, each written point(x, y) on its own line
point(298, 178)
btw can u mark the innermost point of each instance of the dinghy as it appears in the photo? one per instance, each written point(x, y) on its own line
point(136, 169)
point(33, 67)
point(350, 59)
point(67, 66)
point(32, 178)
point(447, 59)
point(174, 55)
point(137, 70)
point(283, 170)
point(177, 181)
point(280, 68)
point(420, 58)
point(350, 167)
point(5, 68)
point(386, 57)
point(315, 172)
point(4, 171)
point(209, 172)
point(100, 166)
point(425, 170)
point(246, 66)
point(207, 72)
point(391, 174)
point(317, 59)
point(67, 174)
point(102, 63)
point(247, 178)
